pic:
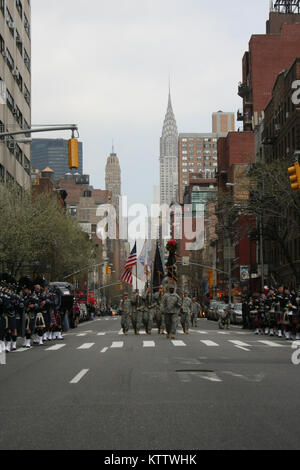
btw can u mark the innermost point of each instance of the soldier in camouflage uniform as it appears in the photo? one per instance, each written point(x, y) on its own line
point(159, 317)
point(196, 309)
point(148, 311)
point(125, 310)
point(185, 313)
point(137, 312)
point(171, 304)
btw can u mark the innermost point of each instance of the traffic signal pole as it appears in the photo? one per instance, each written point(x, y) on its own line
point(67, 127)
point(73, 151)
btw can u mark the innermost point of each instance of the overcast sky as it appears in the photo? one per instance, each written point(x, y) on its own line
point(105, 65)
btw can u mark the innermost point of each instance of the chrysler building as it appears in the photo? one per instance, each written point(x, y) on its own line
point(169, 158)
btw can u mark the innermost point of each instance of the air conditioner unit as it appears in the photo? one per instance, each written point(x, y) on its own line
point(11, 24)
point(26, 95)
point(16, 73)
point(3, 53)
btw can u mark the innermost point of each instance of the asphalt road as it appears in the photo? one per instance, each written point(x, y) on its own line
point(97, 389)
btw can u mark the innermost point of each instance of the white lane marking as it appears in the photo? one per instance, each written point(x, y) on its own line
point(104, 350)
point(117, 345)
point(56, 347)
point(101, 334)
point(148, 344)
point(223, 333)
point(211, 376)
point(203, 332)
point(86, 346)
point(239, 343)
point(21, 350)
point(210, 343)
point(272, 344)
point(81, 334)
point(241, 347)
point(79, 376)
point(178, 343)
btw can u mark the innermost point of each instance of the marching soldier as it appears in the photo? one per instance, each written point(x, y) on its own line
point(185, 316)
point(137, 312)
point(148, 311)
point(159, 317)
point(171, 304)
point(195, 311)
point(125, 309)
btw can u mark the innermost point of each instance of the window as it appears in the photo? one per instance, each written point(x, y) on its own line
point(26, 25)
point(26, 60)
point(19, 7)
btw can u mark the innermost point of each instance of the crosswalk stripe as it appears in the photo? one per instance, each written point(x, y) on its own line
point(101, 334)
point(81, 334)
point(272, 344)
point(79, 376)
point(203, 332)
point(56, 347)
point(86, 346)
point(209, 343)
point(239, 343)
point(148, 344)
point(104, 350)
point(178, 343)
point(117, 345)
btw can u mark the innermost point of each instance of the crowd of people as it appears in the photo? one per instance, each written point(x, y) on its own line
point(275, 312)
point(29, 310)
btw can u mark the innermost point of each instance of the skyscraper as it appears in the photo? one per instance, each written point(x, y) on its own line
point(169, 158)
point(53, 153)
point(113, 178)
point(15, 89)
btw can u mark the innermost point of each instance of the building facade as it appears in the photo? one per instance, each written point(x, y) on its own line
point(268, 55)
point(197, 154)
point(53, 153)
point(169, 158)
point(113, 179)
point(15, 89)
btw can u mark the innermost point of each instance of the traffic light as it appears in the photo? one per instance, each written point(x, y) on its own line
point(108, 270)
point(210, 278)
point(73, 154)
point(294, 173)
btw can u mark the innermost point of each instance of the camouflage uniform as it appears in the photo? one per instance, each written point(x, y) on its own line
point(159, 317)
point(171, 304)
point(125, 309)
point(137, 313)
point(148, 312)
point(186, 314)
point(196, 309)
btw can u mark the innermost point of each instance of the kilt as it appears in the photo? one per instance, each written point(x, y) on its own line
point(2, 326)
point(11, 321)
point(47, 320)
point(30, 321)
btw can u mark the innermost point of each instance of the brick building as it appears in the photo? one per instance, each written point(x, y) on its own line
point(268, 55)
point(82, 202)
point(234, 246)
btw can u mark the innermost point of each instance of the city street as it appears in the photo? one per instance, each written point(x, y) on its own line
point(98, 389)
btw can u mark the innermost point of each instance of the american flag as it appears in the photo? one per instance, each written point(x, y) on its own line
point(131, 262)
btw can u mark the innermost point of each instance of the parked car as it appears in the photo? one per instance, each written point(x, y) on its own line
point(211, 312)
point(236, 315)
point(84, 316)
